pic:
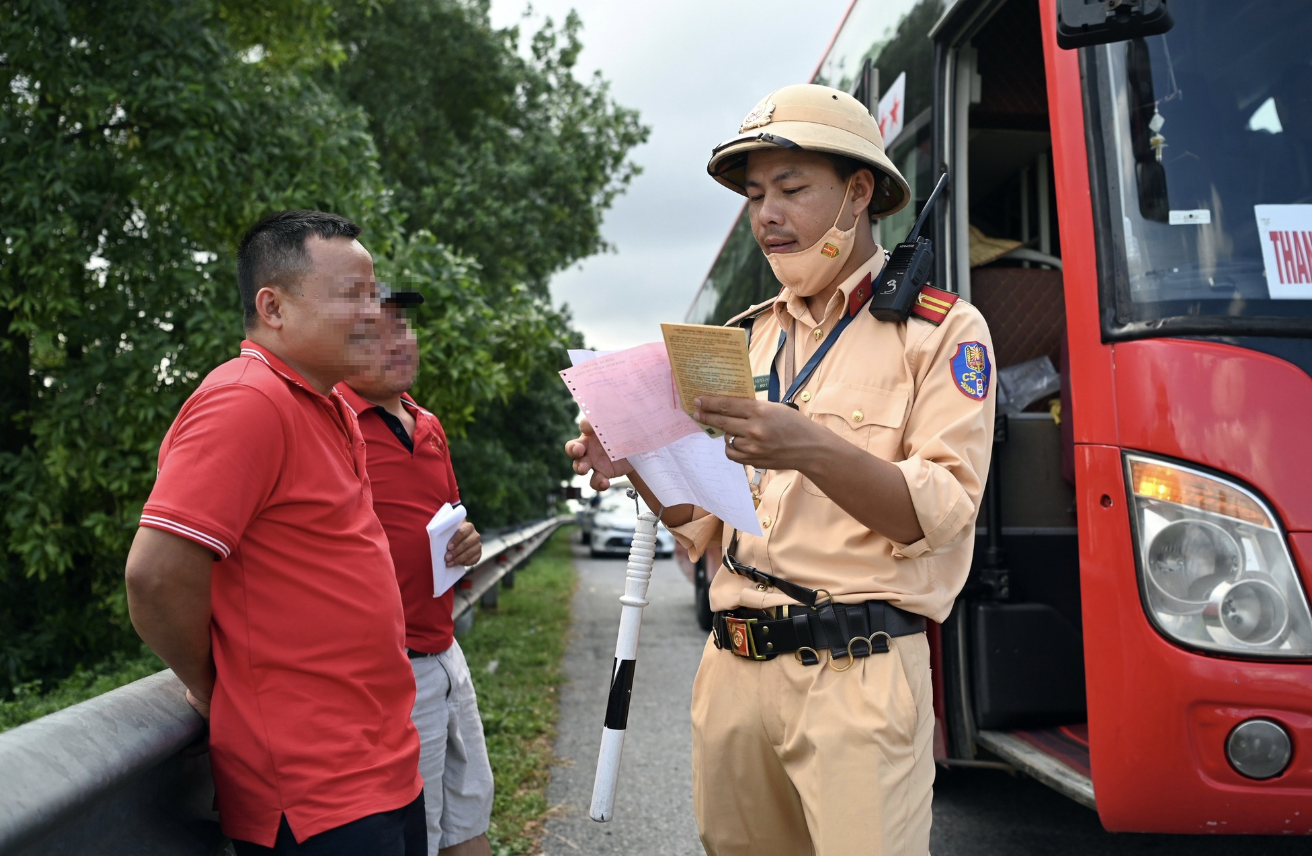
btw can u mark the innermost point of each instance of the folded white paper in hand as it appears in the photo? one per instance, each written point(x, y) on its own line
point(694, 469)
point(441, 529)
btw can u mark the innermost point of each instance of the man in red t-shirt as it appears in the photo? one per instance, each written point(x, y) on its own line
point(262, 576)
point(410, 470)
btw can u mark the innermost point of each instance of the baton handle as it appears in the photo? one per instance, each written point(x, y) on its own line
point(642, 555)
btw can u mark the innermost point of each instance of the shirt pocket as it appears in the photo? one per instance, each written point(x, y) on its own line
point(868, 417)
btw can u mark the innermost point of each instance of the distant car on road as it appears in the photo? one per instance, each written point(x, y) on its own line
point(607, 526)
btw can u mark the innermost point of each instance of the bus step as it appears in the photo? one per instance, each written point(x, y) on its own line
point(1057, 757)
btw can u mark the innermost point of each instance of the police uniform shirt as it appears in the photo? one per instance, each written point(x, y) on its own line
point(917, 394)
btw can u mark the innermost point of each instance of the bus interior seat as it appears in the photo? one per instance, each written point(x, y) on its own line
point(1025, 309)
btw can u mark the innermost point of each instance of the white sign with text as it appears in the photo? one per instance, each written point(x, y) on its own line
point(1285, 232)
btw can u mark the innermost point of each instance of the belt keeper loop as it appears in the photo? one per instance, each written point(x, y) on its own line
point(859, 625)
point(858, 620)
point(802, 629)
point(832, 633)
point(845, 629)
point(877, 610)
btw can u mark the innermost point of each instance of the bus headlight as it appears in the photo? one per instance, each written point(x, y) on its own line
point(1214, 569)
point(1188, 559)
point(1249, 612)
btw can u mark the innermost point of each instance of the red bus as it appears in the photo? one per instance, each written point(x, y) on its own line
point(1134, 219)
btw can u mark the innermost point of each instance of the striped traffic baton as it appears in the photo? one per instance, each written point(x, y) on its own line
point(641, 555)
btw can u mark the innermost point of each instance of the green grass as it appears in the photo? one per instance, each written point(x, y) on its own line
point(33, 700)
point(526, 634)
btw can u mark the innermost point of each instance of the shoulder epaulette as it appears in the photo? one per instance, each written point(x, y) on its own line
point(857, 298)
point(933, 304)
point(750, 314)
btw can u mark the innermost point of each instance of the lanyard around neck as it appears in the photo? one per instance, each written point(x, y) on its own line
point(812, 364)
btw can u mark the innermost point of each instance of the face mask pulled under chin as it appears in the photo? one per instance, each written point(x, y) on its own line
point(808, 271)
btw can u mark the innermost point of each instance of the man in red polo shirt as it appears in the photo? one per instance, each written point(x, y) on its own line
point(262, 576)
point(412, 478)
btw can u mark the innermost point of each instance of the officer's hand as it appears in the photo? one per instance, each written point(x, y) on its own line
point(589, 457)
point(466, 548)
point(765, 435)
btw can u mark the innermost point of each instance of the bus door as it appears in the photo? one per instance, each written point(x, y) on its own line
point(1013, 648)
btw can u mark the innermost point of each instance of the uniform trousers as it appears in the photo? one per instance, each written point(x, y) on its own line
point(792, 760)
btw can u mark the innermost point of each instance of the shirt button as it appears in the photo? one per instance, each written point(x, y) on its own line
point(818, 333)
point(762, 587)
point(857, 416)
point(766, 522)
point(805, 396)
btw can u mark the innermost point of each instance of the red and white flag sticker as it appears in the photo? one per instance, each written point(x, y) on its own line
point(1286, 235)
point(892, 115)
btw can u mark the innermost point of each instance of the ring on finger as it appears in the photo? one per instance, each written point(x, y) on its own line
point(731, 439)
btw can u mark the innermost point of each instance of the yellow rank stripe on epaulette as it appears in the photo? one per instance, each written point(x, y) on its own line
point(932, 304)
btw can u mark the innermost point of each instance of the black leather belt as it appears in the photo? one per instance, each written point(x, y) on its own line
point(848, 630)
point(419, 655)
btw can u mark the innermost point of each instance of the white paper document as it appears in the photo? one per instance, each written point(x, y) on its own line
point(628, 396)
point(441, 529)
point(694, 469)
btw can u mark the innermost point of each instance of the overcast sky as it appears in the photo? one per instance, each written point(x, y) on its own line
point(693, 68)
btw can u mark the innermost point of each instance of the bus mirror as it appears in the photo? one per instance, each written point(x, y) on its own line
point(1153, 201)
point(1146, 141)
point(1081, 23)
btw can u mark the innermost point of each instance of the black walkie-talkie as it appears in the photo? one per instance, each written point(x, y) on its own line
point(907, 270)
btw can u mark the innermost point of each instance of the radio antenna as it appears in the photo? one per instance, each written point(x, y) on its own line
point(924, 212)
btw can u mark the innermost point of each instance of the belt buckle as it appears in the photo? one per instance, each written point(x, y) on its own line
point(741, 641)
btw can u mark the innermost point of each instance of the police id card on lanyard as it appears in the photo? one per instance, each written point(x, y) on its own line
point(794, 383)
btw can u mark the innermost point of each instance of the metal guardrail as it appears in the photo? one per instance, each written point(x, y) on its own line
point(109, 775)
point(502, 554)
point(122, 773)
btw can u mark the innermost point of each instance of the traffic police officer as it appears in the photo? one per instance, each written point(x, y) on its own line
point(867, 448)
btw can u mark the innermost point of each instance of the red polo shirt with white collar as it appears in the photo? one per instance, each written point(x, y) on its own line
point(409, 488)
point(311, 711)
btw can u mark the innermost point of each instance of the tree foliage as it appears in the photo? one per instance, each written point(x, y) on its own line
point(507, 157)
point(139, 139)
point(504, 154)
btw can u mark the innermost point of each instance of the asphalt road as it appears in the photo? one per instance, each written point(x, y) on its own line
point(653, 803)
point(976, 812)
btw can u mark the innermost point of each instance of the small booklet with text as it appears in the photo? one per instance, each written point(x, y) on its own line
point(441, 529)
point(708, 360)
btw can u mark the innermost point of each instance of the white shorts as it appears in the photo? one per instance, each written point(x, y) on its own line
point(452, 754)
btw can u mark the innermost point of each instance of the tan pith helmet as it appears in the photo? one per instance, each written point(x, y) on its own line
point(815, 119)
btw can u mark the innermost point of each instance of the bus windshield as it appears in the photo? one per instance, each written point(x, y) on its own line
point(1206, 157)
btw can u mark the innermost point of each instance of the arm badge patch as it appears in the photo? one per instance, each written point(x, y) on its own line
point(971, 370)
